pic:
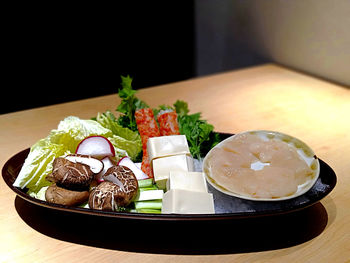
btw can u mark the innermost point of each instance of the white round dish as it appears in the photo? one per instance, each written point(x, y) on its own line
point(303, 150)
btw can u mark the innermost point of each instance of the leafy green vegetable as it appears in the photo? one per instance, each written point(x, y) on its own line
point(200, 134)
point(197, 131)
point(72, 130)
point(181, 108)
point(133, 148)
point(129, 104)
point(38, 165)
point(40, 194)
point(123, 138)
point(109, 121)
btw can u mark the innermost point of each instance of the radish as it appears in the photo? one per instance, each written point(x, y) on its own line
point(96, 146)
point(107, 163)
point(126, 161)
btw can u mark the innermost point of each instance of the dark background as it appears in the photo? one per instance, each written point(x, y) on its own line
point(65, 52)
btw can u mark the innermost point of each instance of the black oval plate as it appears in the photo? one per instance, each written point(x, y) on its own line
point(226, 207)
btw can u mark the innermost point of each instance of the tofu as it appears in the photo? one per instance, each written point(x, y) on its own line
point(164, 146)
point(192, 181)
point(163, 166)
point(180, 201)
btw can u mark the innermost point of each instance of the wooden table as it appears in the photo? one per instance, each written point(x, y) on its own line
point(264, 97)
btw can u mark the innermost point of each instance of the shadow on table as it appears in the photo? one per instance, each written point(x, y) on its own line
point(190, 238)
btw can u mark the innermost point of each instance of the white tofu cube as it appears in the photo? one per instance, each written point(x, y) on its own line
point(192, 181)
point(180, 201)
point(167, 146)
point(162, 167)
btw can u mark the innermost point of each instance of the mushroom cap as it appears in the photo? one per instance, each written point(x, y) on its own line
point(71, 175)
point(119, 189)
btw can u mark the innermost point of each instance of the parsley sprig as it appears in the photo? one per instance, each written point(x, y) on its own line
point(199, 133)
point(129, 104)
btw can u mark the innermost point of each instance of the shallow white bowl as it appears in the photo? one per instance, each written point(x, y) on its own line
point(304, 151)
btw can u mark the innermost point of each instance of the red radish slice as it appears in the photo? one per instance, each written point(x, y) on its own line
point(126, 161)
point(107, 163)
point(96, 146)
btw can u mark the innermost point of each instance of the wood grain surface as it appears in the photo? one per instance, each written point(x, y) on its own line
point(264, 97)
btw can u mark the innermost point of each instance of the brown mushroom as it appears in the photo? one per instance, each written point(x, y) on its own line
point(118, 190)
point(59, 195)
point(50, 178)
point(75, 171)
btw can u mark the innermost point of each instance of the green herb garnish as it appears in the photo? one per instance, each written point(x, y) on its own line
point(199, 133)
point(129, 104)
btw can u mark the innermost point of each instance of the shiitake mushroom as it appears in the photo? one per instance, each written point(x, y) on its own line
point(59, 195)
point(75, 171)
point(118, 189)
point(72, 176)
